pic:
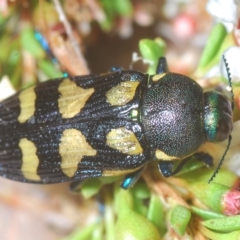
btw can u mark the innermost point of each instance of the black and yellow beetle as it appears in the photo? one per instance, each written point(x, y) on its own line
point(112, 124)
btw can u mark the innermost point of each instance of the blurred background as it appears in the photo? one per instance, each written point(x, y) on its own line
point(44, 39)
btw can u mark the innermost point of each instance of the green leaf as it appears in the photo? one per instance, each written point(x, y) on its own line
point(82, 233)
point(224, 224)
point(224, 177)
point(108, 7)
point(30, 44)
point(180, 217)
point(214, 42)
point(206, 214)
point(15, 76)
point(210, 195)
point(151, 50)
point(49, 69)
point(220, 236)
point(108, 180)
point(98, 233)
point(131, 225)
point(140, 190)
point(156, 214)
point(108, 215)
point(90, 187)
point(123, 7)
point(12, 46)
point(139, 206)
point(112, 9)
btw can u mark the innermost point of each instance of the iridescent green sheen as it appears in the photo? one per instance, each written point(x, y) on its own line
point(217, 120)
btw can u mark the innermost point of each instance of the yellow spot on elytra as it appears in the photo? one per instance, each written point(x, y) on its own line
point(160, 155)
point(30, 160)
point(158, 77)
point(124, 141)
point(72, 99)
point(122, 93)
point(73, 148)
point(27, 100)
point(109, 173)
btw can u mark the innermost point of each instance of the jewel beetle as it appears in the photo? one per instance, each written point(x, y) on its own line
point(74, 128)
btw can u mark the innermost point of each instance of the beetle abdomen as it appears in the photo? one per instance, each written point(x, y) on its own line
point(72, 128)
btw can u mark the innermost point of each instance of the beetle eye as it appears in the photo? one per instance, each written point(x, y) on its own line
point(217, 116)
point(223, 130)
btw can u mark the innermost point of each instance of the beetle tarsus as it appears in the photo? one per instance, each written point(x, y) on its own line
point(162, 66)
point(205, 158)
point(116, 69)
point(75, 186)
point(130, 179)
point(166, 168)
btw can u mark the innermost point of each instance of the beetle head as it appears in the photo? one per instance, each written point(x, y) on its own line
point(217, 116)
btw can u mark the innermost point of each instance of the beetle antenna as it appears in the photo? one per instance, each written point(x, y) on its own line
point(230, 137)
point(229, 79)
point(222, 159)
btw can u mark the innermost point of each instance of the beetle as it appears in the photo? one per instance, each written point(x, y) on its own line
point(75, 128)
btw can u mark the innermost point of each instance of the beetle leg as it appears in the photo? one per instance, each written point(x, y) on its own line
point(116, 69)
point(162, 66)
point(76, 185)
point(130, 179)
point(166, 167)
point(205, 158)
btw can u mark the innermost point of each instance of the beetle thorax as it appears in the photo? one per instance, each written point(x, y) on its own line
point(172, 116)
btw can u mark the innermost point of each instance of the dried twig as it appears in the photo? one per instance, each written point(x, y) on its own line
point(72, 39)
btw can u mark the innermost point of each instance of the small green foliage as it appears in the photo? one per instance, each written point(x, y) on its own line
point(217, 43)
point(156, 213)
point(49, 69)
point(139, 206)
point(206, 214)
point(90, 187)
point(109, 215)
point(123, 7)
point(48, 10)
point(108, 180)
point(224, 224)
point(215, 40)
point(140, 190)
point(190, 166)
point(151, 50)
point(235, 235)
point(112, 9)
point(180, 217)
point(30, 44)
point(131, 225)
point(203, 174)
point(2, 19)
point(10, 58)
point(210, 195)
point(85, 233)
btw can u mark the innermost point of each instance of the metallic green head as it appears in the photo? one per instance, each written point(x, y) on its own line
point(217, 116)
